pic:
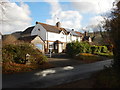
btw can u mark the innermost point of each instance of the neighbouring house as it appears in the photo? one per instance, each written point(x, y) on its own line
point(86, 37)
point(55, 37)
point(17, 34)
point(35, 40)
point(27, 32)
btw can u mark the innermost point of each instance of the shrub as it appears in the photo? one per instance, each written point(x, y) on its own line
point(77, 47)
point(73, 48)
point(38, 59)
point(85, 47)
point(93, 49)
point(109, 54)
point(17, 53)
point(104, 49)
point(99, 49)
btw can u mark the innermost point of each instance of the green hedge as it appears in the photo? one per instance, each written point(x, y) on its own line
point(99, 49)
point(84, 47)
point(77, 47)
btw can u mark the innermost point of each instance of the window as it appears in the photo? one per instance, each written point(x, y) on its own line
point(39, 46)
point(62, 37)
point(38, 29)
point(63, 33)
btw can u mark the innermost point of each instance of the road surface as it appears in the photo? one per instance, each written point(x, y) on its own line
point(53, 76)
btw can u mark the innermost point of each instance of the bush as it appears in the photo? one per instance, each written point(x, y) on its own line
point(109, 54)
point(73, 48)
point(104, 49)
point(17, 53)
point(85, 47)
point(93, 49)
point(77, 47)
point(99, 49)
point(37, 59)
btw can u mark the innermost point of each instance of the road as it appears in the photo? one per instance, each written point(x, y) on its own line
point(53, 76)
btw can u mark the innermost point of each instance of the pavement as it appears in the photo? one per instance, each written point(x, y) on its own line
point(53, 76)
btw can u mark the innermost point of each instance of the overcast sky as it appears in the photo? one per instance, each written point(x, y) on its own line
point(73, 14)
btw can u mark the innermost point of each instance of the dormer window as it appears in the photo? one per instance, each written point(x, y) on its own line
point(38, 29)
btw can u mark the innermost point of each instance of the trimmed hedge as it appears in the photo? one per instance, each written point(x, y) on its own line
point(84, 47)
point(99, 49)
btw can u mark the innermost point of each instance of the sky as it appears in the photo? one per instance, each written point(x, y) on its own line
point(72, 14)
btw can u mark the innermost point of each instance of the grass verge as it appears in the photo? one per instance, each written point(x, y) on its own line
point(9, 68)
point(88, 58)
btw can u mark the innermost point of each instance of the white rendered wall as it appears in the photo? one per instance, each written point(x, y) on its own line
point(69, 38)
point(56, 36)
point(41, 33)
point(74, 38)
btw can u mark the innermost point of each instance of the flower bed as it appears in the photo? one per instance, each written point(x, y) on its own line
point(88, 58)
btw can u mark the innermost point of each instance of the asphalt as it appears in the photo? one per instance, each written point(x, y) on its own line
point(53, 76)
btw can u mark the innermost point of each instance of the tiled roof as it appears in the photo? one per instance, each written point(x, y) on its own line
point(74, 33)
point(79, 34)
point(27, 38)
point(28, 30)
point(50, 28)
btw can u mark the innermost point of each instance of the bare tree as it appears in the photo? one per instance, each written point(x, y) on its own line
point(113, 25)
point(9, 39)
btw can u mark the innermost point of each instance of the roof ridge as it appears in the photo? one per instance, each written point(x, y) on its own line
point(45, 25)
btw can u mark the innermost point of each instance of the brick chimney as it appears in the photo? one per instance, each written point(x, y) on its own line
point(86, 34)
point(58, 24)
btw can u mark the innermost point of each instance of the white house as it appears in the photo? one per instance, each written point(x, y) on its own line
point(54, 37)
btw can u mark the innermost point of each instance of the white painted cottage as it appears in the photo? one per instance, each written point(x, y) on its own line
point(54, 37)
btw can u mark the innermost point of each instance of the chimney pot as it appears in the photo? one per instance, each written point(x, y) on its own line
point(58, 24)
point(36, 22)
